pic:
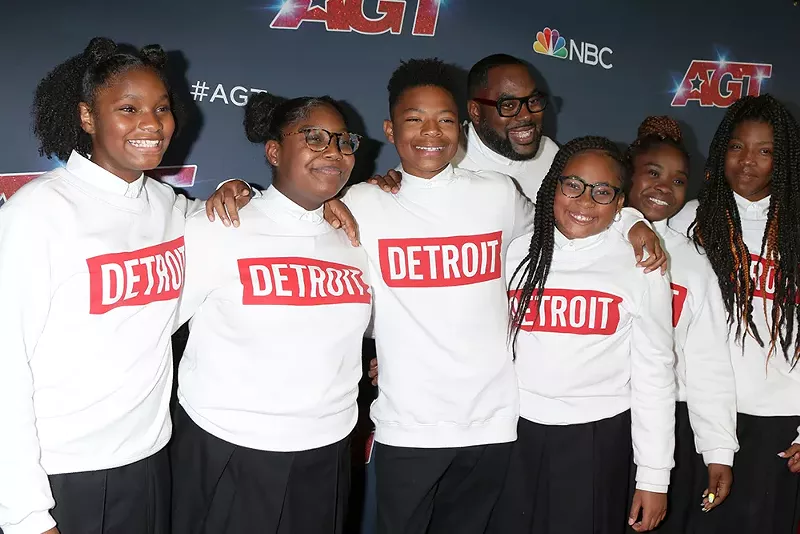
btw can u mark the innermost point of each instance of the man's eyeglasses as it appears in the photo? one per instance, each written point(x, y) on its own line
point(573, 187)
point(510, 106)
point(318, 140)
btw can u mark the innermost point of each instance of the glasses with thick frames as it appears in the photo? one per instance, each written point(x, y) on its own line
point(510, 106)
point(574, 186)
point(318, 139)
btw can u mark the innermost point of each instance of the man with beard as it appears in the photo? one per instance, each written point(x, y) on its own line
point(504, 131)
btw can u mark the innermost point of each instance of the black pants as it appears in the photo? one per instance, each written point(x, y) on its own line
point(570, 479)
point(438, 491)
point(221, 488)
point(765, 497)
point(133, 499)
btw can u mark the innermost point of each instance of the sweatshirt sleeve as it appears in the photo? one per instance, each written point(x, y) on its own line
point(653, 386)
point(524, 212)
point(25, 495)
point(198, 279)
point(710, 386)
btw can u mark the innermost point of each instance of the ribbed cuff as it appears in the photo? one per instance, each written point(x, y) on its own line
point(652, 477)
point(719, 456)
point(35, 523)
point(652, 488)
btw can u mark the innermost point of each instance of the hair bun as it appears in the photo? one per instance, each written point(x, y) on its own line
point(154, 55)
point(661, 126)
point(99, 49)
point(258, 115)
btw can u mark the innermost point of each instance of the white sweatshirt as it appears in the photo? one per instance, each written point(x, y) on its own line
point(474, 155)
point(435, 254)
point(436, 251)
point(600, 345)
point(91, 268)
point(763, 388)
point(703, 361)
point(279, 310)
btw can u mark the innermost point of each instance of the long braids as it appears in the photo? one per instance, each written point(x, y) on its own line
point(532, 272)
point(718, 229)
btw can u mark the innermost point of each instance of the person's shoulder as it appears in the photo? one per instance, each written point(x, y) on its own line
point(487, 178)
point(549, 148)
point(45, 188)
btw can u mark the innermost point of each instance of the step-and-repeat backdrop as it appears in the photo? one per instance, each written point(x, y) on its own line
point(606, 65)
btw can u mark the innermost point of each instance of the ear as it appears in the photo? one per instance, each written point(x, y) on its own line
point(388, 130)
point(273, 152)
point(474, 111)
point(620, 201)
point(87, 120)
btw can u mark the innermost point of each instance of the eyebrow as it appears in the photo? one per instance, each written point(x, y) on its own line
point(758, 143)
point(165, 96)
point(318, 127)
point(418, 110)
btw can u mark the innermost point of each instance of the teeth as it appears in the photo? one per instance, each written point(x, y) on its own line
point(523, 134)
point(144, 143)
point(581, 218)
point(657, 202)
point(430, 148)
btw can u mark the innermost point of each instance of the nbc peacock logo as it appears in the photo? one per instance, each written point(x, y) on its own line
point(550, 43)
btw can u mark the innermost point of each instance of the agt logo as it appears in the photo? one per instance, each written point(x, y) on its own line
point(176, 176)
point(719, 83)
point(550, 42)
point(348, 15)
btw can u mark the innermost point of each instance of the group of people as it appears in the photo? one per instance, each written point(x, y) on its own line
point(564, 344)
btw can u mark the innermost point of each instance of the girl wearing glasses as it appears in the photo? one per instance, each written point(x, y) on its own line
point(706, 408)
point(255, 449)
point(593, 352)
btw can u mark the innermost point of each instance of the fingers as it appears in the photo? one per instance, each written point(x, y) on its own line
point(373, 371)
point(636, 507)
point(793, 456)
point(233, 210)
point(218, 206)
point(346, 220)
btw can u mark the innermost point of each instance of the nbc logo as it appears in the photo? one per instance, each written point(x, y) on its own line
point(550, 42)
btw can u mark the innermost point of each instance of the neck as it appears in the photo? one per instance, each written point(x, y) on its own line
point(298, 198)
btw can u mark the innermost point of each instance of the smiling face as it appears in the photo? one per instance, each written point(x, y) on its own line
point(130, 123)
point(748, 161)
point(306, 177)
point(658, 185)
point(424, 130)
point(583, 217)
point(516, 138)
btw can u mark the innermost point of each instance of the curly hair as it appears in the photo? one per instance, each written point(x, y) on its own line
point(430, 72)
point(718, 229)
point(56, 115)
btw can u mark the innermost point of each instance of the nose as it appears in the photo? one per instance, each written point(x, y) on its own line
point(150, 122)
point(332, 151)
point(431, 128)
point(585, 199)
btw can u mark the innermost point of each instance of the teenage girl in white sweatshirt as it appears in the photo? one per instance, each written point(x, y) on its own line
point(91, 268)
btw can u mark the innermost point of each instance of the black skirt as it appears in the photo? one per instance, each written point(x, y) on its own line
point(567, 479)
point(132, 499)
point(222, 488)
point(765, 496)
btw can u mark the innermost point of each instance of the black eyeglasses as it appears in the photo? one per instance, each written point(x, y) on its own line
point(510, 106)
point(574, 186)
point(318, 139)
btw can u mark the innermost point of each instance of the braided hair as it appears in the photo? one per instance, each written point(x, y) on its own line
point(654, 132)
point(56, 115)
point(535, 267)
point(718, 229)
